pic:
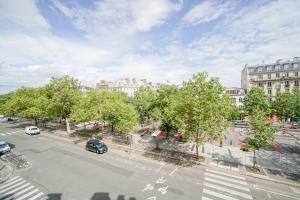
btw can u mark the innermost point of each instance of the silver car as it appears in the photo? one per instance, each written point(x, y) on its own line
point(4, 147)
point(32, 130)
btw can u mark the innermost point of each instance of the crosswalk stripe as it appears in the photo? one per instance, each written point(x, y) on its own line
point(22, 191)
point(246, 196)
point(222, 196)
point(8, 133)
point(36, 196)
point(227, 184)
point(225, 174)
point(17, 189)
point(226, 179)
point(13, 186)
point(206, 198)
point(10, 183)
point(3, 134)
point(27, 194)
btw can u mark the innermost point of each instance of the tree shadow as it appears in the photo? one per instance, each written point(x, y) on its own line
point(54, 196)
point(105, 196)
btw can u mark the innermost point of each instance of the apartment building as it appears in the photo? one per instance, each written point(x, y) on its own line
point(281, 76)
point(126, 85)
point(237, 95)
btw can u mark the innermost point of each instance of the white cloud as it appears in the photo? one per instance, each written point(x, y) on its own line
point(112, 23)
point(23, 13)
point(205, 12)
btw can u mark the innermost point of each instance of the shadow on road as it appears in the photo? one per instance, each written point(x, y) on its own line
point(96, 196)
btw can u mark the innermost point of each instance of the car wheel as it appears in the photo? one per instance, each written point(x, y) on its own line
point(97, 151)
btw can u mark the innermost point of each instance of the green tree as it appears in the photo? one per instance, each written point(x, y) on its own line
point(261, 132)
point(296, 104)
point(144, 100)
point(283, 105)
point(62, 93)
point(200, 108)
point(256, 99)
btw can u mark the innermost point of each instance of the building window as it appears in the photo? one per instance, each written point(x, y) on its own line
point(296, 74)
point(286, 67)
point(270, 99)
point(259, 69)
point(269, 91)
point(269, 76)
point(260, 84)
point(277, 75)
point(240, 99)
point(233, 99)
point(287, 74)
point(295, 65)
point(269, 84)
point(260, 76)
point(269, 68)
point(286, 84)
point(277, 67)
point(296, 82)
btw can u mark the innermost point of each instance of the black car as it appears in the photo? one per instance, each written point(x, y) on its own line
point(96, 146)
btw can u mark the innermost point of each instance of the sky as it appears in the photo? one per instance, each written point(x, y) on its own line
point(161, 40)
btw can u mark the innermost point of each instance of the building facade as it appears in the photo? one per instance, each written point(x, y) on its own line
point(237, 95)
point(281, 76)
point(126, 85)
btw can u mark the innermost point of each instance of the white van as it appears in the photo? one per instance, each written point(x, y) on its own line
point(32, 130)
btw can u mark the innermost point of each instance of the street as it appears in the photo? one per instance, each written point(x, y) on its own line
point(63, 170)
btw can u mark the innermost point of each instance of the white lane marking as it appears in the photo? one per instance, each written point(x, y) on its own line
point(225, 174)
point(15, 185)
point(162, 165)
point(10, 183)
point(3, 134)
point(171, 174)
point(206, 198)
point(227, 184)
point(27, 194)
point(17, 189)
point(22, 191)
point(272, 192)
point(222, 196)
point(226, 179)
point(36, 196)
point(8, 133)
point(269, 196)
point(241, 194)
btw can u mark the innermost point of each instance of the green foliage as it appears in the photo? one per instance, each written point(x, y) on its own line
point(234, 114)
point(144, 101)
point(296, 104)
point(283, 104)
point(83, 111)
point(62, 93)
point(256, 99)
point(201, 107)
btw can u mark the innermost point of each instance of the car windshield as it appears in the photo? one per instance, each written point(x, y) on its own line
point(3, 145)
point(33, 129)
point(99, 144)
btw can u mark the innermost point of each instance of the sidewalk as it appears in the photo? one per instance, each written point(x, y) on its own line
point(6, 171)
point(143, 150)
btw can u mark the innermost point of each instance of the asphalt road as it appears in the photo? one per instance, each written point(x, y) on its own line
point(62, 170)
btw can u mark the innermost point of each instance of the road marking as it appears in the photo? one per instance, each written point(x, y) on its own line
point(227, 184)
point(162, 165)
point(246, 196)
point(226, 179)
point(10, 182)
point(3, 134)
point(284, 195)
point(8, 133)
point(222, 196)
point(6, 189)
point(36, 196)
point(22, 191)
point(225, 174)
point(269, 196)
point(171, 174)
point(206, 198)
point(27, 194)
point(17, 189)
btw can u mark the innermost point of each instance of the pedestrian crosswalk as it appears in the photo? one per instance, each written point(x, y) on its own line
point(17, 188)
point(221, 185)
point(9, 133)
point(227, 166)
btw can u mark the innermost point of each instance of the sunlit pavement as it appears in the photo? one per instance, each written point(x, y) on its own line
point(62, 170)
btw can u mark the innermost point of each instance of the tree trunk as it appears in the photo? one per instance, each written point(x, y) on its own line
point(112, 127)
point(254, 159)
point(35, 122)
point(197, 145)
point(84, 125)
point(221, 142)
point(68, 126)
point(156, 144)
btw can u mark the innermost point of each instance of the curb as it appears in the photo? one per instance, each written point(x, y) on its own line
point(9, 173)
point(191, 162)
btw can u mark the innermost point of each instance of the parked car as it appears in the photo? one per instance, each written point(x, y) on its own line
point(96, 146)
point(32, 130)
point(4, 148)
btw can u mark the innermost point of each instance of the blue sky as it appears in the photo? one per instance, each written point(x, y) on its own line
point(159, 40)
